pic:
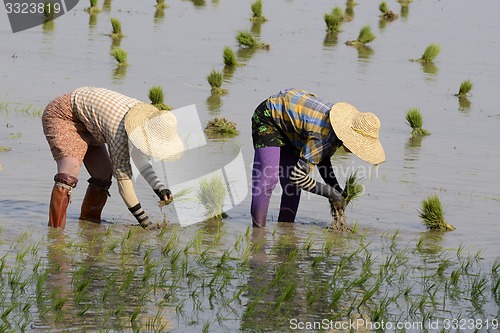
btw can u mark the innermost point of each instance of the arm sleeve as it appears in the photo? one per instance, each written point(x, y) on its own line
point(326, 171)
point(300, 177)
point(146, 169)
point(127, 192)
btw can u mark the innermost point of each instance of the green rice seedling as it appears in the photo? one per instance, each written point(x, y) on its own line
point(257, 12)
point(117, 28)
point(49, 11)
point(415, 121)
point(430, 53)
point(245, 39)
point(333, 23)
point(120, 56)
point(465, 88)
point(229, 58)
point(4, 149)
point(215, 80)
point(432, 214)
point(160, 4)
point(157, 98)
point(365, 36)
point(387, 14)
point(353, 189)
point(220, 127)
point(93, 9)
point(211, 194)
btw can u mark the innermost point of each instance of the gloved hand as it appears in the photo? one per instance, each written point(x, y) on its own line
point(164, 195)
point(336, 199)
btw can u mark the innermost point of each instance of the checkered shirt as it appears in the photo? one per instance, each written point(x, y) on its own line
point(305, 120)
point(103, 111)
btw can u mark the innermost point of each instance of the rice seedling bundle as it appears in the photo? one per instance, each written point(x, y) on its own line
point(245, 39)
point(157, 98)
point(365, 36)
point(228, 57)
point(221, 127)
point(257, 12)
point(432, 214)
point(117, 28)
point(353, 189)
point(465, 88)
point(215, 80)
point(430, 53)
point(414, 119)
point(211, 193)
point(120, 56)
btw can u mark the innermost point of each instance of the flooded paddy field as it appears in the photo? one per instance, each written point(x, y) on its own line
point(218, 276)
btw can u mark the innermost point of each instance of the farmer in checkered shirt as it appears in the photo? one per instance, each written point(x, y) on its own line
point(79, 125)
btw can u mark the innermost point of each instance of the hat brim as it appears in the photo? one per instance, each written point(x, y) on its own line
point(169, 148)
point(366, 148)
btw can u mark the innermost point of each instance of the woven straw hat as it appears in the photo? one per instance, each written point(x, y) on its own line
point(154, 132)
point(358, 131)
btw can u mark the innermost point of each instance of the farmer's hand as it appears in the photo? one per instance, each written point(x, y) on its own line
point(336, 199)
point(164, 195)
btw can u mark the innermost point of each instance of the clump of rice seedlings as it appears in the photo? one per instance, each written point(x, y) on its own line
point(365, 36)
point(433, 216)
point(333, 23)
point(387, 14)
point(93, 9)
point(257, 12)
point(229, 58)
point(211, 193)
point(117, 28)
point(157, 98)
point(430, 53)
point(48, 11)
point(120, 56)
point(465, 88)
point(160, 4)
point(353, 189)
point(414, 119)
point(245, 39)
point(337, 11)
point(220, 127)
point(215, 80)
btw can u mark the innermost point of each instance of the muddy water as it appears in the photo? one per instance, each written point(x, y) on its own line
point(458, 161)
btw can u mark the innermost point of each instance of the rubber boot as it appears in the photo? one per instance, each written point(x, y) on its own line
point(95, 199)
point(60, 199)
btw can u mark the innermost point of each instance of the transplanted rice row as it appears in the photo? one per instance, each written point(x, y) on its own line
point(204, 278)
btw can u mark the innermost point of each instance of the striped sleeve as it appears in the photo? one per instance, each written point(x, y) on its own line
point(300, 177)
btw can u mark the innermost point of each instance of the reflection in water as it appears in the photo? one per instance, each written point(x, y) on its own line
point(463, 104)
point(198, 3)
point(430, 242)
point(246, 53)
point(106, 5)
point(159, 14)
point(415, 141)
point(255, 29)
point(119, 73)
point(48, 25)
point(364, 52)
point(330, 39)
point(429, 68)
point(405, 10)
point(92, 21)
point(228, 72)
point(116, 42)
point(214, 103)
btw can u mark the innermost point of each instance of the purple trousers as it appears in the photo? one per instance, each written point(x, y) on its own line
point(271, 164)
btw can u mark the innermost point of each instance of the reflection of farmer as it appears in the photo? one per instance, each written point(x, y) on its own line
point(293, 130)
point(77, 127)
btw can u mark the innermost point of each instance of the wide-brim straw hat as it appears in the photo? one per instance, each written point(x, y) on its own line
point(359, 132)
point(154, 132)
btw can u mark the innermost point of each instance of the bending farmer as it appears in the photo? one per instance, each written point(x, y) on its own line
point(77, 126)
point(294, 130)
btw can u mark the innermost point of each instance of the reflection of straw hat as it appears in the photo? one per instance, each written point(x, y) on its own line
point(358, 131)
point(154, 132)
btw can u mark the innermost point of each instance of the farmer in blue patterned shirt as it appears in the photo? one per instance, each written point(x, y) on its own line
point(93, 126)
point(294, 130)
